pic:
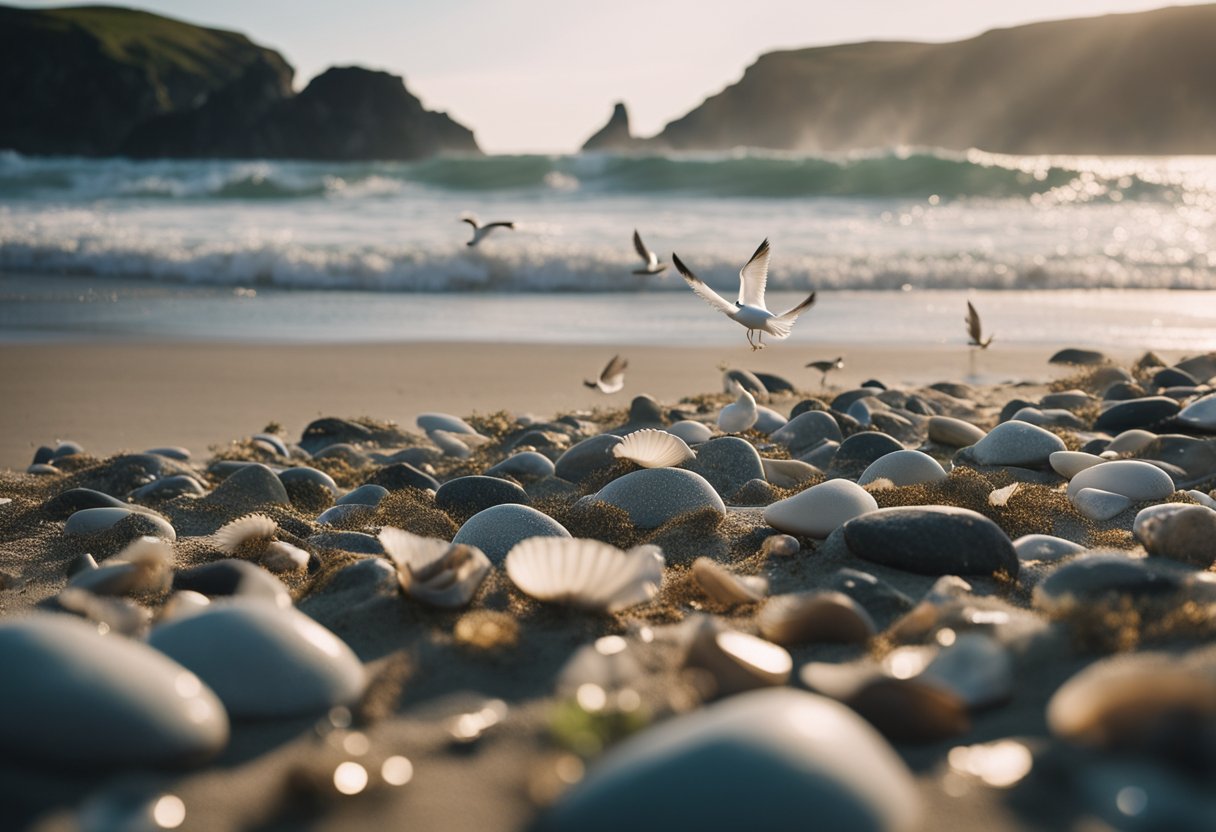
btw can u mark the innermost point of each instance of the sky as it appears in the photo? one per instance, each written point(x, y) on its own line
point(542, 75)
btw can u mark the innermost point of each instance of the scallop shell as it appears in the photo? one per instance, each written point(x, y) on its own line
point(242, 530)
point(585, 573)
point(434, 571)
point(652, 448)
point(725, 587)
point(740, 415)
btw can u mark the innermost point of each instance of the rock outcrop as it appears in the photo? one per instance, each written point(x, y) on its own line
point(615, 135)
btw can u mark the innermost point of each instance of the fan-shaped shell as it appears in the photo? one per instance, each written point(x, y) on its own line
point(242, 530)
point(739, 416)
point(585, 573)
point(434, 571)
point(726, 587)
point(652, 448)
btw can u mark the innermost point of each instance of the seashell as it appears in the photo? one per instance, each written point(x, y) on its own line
point(1000, 496)
point(780, 545)
point(725, 587)
point(144, 565)
point(243, 530)
point(284, 557)
point(815, 617)
point(652, 448)
point(585, 573)
point(739, 416)
point(737, 661)
point(434, 571)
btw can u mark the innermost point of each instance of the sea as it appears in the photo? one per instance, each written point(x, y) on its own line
point(1092, 251)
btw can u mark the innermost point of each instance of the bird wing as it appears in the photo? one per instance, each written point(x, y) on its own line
point(792, 315)
point(646, 254)
point(490, 225)
point(614, 370)
point(780, 326)
point(470, 221)
point(753, 278)
point(698, 285)
point(973, 323)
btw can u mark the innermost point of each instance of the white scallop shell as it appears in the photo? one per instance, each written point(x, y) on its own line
point(739, 416)
point(586, 573)
point(652, 448)
point(242, 530)
point(434, 571)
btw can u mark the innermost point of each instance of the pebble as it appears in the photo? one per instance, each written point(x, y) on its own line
point(901, 468)
point(975, 667)
point(231, 577)
point(877, 597)
point(822, 454)
point(815, 617)
point(1076, 356)
point(1196, 457)
point(654, 496)
point(936, 540)
point(1173, 377)
point(1136, 413)
point(367, 494)
point(357, 542)
point(428, 422)
point(87, 699)
point(780, 546)
point(64, 505)
point(1135, 480)
point(774, 384)
point(1045, 547)
point(845, 400)
point(1186, 534)
point(1099, 505)
point(1130, 441)
point(735, 661)
point(587, 458)
point(251, 488)
point(768, 420)
point(1068, 399)
point(1049, 417)
point(497, 529)
point(350, 514)
point(168, 488)
point(401, 475)
point(810, 758)
point(303, 474)
point(788, 473)
point(329, 431)
point(806, 430)
point(860, 450)
point(1070, 463)
point(1200, 414)
point(724, 586)
point(1017, 443)
point(955, 433)
point(747, 380)
point(264, 662)
point(1099, 577)
point(271, 443)
point(691, 432)
point(525, 466)
point(727, 463)
point(465, 496)
point(93, 520)
point(452, 444)
point(821, 509)
point(1121, 391)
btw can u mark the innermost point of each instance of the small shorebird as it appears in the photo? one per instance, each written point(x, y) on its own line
point(612, 379)
point(653, 266)
point(749, 310)
point(975, 328)
point(825, 367)
point(480, 231)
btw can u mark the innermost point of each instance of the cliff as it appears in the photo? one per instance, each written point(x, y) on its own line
point(1120, 84)
point(615, 135)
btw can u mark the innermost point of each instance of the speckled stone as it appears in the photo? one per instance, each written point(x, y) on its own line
point(401, 475)
point(367, 494)
point(901, 468)
point(768, 420)
point(465, 496)
point(653, 496)
point(860, 450)
point(1200, 414)
point(168, 488)
point(1100, 577)
point(524, 466)
point(1099, 505)
point(250, 488)
point(727, 462)
point(302, 474)
point(349, 514)
point(358, 542)
point(938, 540)
point(1017, 443)
point(498, 528)
point(64, 505)
point(93, 520)
point(805, 430)
point(587, 458)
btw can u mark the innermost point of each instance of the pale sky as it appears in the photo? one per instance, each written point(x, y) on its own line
point(542, 75)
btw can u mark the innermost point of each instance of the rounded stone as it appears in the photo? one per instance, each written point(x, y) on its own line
point(367, 494)
point(1173, 377)
point(465, 496)
point(524, 466)
point(249, 488)
point(1136, 413)
point(860, 450)
point(85, 699)
point(263, 661)
point(1099, 505)
point(1135, 480)
point(806, 430)
point(653, 496)
point(1017, 443)
point(271, 443)
point(1070, 463)
point(497, 529)
point(1080, 357)
point(302, 474)
point(693, 433)
point(774, 384)
point(232, 577)
point(902, 468)
point(1187, 534)
point(937, 540)
point(821, 455)
point(401, 475)
point(768, 420)
point(1045, 547)
point(64, 505)
point(428, 422)
point(1048, 417)
point(328, 430)
point(1197, 457)
point(821, 509)
point(845, 400)
point(348, 514)
point(1200, 414)
point(955, 433)
point(1130, 441)
point(1094, 578)
point(168, 488)
point(93, 520)
point(727, 462)
point(587, 458)
point(788, 473)
point(358, 542)
point(769, 759)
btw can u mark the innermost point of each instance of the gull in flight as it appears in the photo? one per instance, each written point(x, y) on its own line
point(612, 379)
point(827, 366)
point(653, 266)
point(480, 231)
point(975, 328)
point(749, 310)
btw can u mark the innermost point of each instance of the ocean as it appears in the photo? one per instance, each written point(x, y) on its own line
point(1084, 250)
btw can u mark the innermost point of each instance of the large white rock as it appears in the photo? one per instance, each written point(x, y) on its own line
point(903, 468)
point(1070, 463)
point(1017, 443)
point(262, 661)
point(1135, 480)
point(73, 697)
point(770, 759)
point(821, 509)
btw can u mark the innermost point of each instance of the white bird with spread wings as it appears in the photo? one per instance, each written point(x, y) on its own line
point(612, 379)
point(480, 231)
point(749, 310)
point(649, 258)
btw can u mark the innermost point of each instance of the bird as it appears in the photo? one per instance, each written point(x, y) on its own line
point(749, 310)
point(480, 231)
point(975, 328)
point(740, 414)
point(612, 379)
point(826, 366)
point(653, 266)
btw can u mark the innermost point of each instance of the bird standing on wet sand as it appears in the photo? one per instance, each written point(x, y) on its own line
point(825, 367)
point(480, 231)
point(612, 379)
point(749, 310)
point(649, 258)
point(975, 328)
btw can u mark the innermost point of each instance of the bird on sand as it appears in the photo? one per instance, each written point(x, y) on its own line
point(749, 310)
point(825, 367)
point(612, 379)
point(649, 258)
point(975, 328)
point(480, 231)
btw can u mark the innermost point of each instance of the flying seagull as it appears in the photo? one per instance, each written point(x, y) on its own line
point(749, 310)
point(975, 328)
point(612, 379)
point(825, 367)
point(480, 231)
point(653, 266)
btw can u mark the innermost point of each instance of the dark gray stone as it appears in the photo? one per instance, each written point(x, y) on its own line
point(233, 577)
point(774, 384)
point(250, 488)
point(806, 430)
point(727, 462)
point(1136, 413)
point(1080, 357)
point(168, 488)
point(402, 475)
point(587, 458)
point(1173, 377)
point(879, 598)
point(62, 506)
point(465, 496)
point(1122, 391)
point(843, 401)
point(330, 431)
point(358, 542)
point(496, 530)
point(857, 452)
point(938, 540)
point(367, 494)
point(806, 406)
point(653, 496)
point(524, 466)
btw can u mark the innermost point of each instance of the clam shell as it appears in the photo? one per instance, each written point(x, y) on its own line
point(585, 573)
point(725, 587)
point(652, 448)
point(815, 617)
point(739, 416)
point(434, 571)
point(242, 530)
